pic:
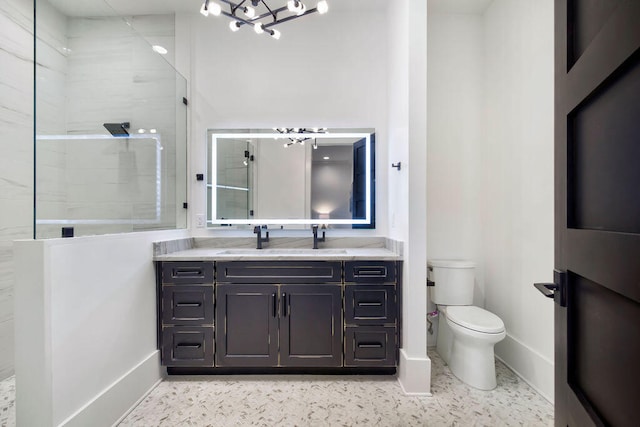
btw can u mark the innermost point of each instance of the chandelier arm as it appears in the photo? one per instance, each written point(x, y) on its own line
point(236, 18)
point(234, 6)
point(290, 18)
point(274, 14)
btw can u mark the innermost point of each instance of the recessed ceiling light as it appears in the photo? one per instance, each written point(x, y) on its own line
point(159, 49)
point(326, 157)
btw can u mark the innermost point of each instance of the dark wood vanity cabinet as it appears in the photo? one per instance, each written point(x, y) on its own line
point(186, 313)
point(279, 314)
point(279, 325)
point(371, 313)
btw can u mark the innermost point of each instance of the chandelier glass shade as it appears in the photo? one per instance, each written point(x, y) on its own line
point(261, 15)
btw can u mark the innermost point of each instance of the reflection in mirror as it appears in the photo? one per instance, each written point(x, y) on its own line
point(292, 177)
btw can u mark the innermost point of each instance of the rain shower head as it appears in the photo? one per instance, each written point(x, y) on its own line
point(117, 129)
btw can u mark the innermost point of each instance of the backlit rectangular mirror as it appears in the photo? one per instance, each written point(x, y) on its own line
point(291, 176)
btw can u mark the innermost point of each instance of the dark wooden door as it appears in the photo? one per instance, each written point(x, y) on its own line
point(597, 155)
point(246, 325)
point(311, 325)
point(359, 192)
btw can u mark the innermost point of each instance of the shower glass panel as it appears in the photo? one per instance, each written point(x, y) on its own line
point(97, 72)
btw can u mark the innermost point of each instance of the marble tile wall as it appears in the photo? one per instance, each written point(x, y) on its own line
point(16, 161)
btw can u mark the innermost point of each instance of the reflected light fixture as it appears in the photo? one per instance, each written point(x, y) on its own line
point(300, 135)
point(261, 15)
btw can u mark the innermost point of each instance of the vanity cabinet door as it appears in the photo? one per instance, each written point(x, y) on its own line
point(311, 325)
point(246, 325)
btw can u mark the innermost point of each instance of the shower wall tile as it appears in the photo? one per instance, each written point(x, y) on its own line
point(114, 76)
point(16, 170)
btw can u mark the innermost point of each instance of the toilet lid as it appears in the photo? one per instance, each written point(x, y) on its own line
point(475, 318)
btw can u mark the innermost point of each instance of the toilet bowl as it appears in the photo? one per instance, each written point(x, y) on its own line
point(466, 334)
point(466, 338)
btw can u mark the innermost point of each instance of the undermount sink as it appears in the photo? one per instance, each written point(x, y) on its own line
point(284, 251)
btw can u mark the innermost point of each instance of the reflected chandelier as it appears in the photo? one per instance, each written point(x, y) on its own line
point(300, 135)
point(259, 15)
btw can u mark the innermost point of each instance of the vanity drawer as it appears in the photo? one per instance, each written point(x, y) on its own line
point(187, 272)
point(370, 346)
point(370, 271)
point(279, 272)
point(187, 346)
point(187, 305)
point(370, 304)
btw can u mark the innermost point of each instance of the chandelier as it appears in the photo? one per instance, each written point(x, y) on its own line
point(300, 135)
point(259, 15)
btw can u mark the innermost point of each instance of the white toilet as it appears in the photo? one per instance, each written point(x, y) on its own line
point(466, 334)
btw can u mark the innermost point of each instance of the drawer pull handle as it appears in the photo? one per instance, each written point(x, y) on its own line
point(369, 304)
point(188, 304)
point(369, 345)
point(376, 272)
point(185, 345)
point(188, 272)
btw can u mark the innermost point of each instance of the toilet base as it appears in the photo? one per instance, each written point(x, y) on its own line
point(474, 365)
point(468, 353)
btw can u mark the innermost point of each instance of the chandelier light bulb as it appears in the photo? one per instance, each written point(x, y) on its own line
point(275, 34)
point(204, 10)
point(294, 6)
point(234, 26)
point(258, 28)
point(302, 9)
point(250, 12)
point(323, 7)
point(215, 9)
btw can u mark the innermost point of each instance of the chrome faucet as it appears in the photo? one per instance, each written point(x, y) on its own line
point(258, 230)
point(314, 228)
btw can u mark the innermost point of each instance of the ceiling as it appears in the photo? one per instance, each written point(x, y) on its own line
point(160, 7)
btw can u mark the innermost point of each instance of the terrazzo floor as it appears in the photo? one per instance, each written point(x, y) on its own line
point(329, 401)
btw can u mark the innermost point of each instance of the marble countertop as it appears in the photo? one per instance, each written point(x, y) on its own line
point(279, 254)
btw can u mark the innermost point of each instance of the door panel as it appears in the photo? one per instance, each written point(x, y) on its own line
point(247, 325)
point(603, 150)
point(311, 325)
point(597, 212)
point(598, 366)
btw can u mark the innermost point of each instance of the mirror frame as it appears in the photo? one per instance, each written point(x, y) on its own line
point(214, 134)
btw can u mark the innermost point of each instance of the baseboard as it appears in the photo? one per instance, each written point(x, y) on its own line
point(414, 375)
point(110, 406)
point(534, 369)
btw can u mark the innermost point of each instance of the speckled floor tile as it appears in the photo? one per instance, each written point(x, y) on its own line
point(301, 400)
point(339, 401)
point(7, 402)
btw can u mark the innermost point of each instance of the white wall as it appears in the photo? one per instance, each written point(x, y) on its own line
point(490, 167)
point(517, 201)
point(85, 327)
point(16, 171)
point(454, 190)
point(325, 71)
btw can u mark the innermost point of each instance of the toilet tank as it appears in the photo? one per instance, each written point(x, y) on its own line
point(454, 280)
